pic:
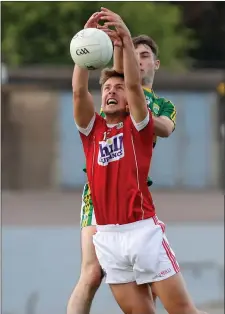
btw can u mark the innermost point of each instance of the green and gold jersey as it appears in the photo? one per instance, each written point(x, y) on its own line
point(159, 107)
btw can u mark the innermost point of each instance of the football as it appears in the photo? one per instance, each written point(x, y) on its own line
point(91, 49)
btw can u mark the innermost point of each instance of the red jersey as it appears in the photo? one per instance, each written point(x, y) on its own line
point(118, 160)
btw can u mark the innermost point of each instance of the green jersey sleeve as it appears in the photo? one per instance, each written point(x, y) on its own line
point(168, 110)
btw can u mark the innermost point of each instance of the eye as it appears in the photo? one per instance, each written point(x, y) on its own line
point(144, 56)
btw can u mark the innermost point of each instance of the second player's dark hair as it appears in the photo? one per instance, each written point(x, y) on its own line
point(146, 40)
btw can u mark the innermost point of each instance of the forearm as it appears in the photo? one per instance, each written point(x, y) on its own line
point(130, 64)
point(134, 92)
point(80, 81)
point(83, 106)
point(162, 128)
point(118, 59)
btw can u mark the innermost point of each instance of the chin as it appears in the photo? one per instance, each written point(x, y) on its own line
point(111, 112)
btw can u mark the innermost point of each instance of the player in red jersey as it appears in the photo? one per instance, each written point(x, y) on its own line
point(130, 242)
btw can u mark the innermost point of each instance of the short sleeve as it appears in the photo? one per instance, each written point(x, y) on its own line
point(169, 111)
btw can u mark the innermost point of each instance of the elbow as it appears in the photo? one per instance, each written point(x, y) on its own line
point(165, 132)
point(79, 92)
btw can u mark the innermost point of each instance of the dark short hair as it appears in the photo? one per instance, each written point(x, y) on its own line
point(146, 40)
point(107, 73)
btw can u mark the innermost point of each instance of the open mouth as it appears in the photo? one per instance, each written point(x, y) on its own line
point(112, 101)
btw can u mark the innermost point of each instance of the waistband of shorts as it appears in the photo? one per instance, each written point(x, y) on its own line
point(130, 226)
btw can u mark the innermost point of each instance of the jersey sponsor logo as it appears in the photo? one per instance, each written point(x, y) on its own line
point(111, 150)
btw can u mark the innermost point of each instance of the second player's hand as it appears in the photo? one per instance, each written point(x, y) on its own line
point(115, 20)
point(93, 20)
point(114, 36)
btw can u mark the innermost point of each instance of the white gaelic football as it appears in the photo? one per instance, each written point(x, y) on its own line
point(91, 48)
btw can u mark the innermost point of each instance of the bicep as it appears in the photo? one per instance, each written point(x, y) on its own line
point(83, 109)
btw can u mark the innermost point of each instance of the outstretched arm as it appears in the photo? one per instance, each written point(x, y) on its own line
point(163, 126)
point(134, 90)
point(118, 59)
point(83, 106)
point(122, 38)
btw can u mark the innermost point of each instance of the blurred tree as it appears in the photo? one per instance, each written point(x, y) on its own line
point(207, 19)
point(40, 32)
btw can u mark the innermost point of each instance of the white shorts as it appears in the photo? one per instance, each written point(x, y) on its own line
point(137, 251)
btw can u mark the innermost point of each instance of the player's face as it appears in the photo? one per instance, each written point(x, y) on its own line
point(113, 96)
point(148, 63)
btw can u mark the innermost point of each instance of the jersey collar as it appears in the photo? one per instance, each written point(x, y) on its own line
point(150, 90)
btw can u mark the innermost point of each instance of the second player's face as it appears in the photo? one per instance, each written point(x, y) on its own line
point(148, 63)
point(113, 96)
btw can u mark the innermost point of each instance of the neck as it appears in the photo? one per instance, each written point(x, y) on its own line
point(147, 82)
point(147, 86)
point(114, 118)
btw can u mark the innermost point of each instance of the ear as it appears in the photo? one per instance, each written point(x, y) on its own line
point(157, 65)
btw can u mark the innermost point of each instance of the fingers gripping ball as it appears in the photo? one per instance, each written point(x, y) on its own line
point(91, 48)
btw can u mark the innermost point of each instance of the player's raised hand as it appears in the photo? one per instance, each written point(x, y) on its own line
point(115, 20)
point(93, 20)
point(114, 36)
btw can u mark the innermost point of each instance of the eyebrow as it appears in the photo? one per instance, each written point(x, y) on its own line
point(144, 52)
point(117, 85)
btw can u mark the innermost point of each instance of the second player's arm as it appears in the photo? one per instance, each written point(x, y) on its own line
point(118, 59)
point(163, 126)
point(83, 106)
point(132, 79)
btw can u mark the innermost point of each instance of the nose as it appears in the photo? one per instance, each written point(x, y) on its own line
point(139, 59)
point(112, 91)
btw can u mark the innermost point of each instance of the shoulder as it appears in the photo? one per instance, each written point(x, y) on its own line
point(167, 103)
point(161, 104)
point(165, 107)
point(96, 123)
point(162, 101)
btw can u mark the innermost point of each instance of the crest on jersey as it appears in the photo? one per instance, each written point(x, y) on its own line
point(119, 125)
point(155, 108)
point(111, 150)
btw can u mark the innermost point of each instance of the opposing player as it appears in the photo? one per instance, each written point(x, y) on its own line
point(164, 115)
point(130, 241)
